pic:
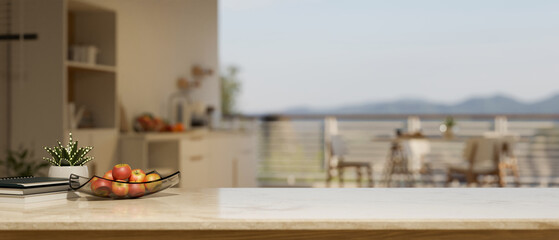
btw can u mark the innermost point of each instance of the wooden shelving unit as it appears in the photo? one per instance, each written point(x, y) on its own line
point(93, 86)
point(90, 67)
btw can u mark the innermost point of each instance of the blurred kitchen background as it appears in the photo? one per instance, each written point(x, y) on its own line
point(287, 93)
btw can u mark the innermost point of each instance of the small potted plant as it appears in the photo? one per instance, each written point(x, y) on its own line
point(447, 127)
point(68, 160)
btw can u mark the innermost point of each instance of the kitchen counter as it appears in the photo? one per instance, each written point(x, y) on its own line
point(428, 212)
point(170, 136)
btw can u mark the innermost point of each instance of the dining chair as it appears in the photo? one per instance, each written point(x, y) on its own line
point(337, 161)
point(485, 156)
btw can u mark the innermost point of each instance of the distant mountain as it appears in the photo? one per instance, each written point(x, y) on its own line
point(478, 105)
point(495, 104)
point(549, 105)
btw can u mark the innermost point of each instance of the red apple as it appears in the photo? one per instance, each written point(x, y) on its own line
point(152, 186)
point(92, 181)
point(168, 128)
point(121, 171)
point(137, 175)
point(136, 190)
point(101, 187)
point(120, 188)
point(109, 175)
point(159, 125)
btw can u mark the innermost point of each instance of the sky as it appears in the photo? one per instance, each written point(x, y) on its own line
point(329, 53)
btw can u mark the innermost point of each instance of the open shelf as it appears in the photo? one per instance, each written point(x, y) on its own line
point(90, 67)
point(92, 26)
point(79, 6)
point(92, 130)
point(92, 85)
point(96, 92)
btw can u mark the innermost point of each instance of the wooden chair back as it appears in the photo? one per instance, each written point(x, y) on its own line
point(482, 153)
point(339, 147)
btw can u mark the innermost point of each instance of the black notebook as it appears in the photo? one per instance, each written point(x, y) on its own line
point(32, 185)
point(39, 197)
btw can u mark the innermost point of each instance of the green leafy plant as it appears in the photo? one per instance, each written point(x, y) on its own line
point(20, 163)
point(449, 122)
point(230, 88)
point(70, 155)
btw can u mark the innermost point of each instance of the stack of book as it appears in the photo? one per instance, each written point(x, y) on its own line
point(33, 189)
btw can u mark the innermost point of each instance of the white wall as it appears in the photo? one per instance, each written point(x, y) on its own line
point(159, 41)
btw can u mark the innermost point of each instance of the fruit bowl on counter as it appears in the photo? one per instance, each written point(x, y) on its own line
point(107, 187)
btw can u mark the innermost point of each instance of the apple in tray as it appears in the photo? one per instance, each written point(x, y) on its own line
point(109, 175)
point(137, 175)
point(120, 189)
point(124, 182)
point(152, 186)
point(136, 190)
point(121, 171)
point(101, 187)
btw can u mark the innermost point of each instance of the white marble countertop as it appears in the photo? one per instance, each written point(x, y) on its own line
point(298, 208)
point(170, 136)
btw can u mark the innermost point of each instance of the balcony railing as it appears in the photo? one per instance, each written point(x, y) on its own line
point(292, 151)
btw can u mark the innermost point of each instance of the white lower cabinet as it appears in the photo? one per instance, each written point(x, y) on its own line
point(194, 162)
point(206, 159)
point(245, 162)
point(221, 155)
point(218, 160)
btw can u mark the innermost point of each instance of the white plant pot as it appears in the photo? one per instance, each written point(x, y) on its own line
point(66, 171)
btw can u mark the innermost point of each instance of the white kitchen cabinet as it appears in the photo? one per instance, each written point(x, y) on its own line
point(246, 164)
point(232, 161)
point(194, 162)
point(206, 159)
point(221, 154)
